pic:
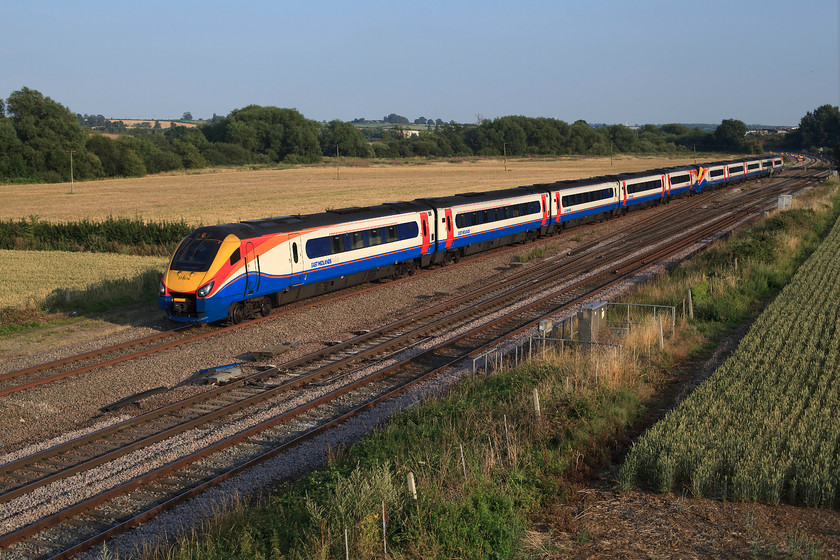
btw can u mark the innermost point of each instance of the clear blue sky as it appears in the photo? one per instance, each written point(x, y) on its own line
point(635, 62)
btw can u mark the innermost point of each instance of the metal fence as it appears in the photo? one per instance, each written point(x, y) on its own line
point(621, 318)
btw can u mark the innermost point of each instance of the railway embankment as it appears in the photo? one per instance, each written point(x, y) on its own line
point(478, 472)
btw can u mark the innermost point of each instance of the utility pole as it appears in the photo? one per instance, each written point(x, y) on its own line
point(71, 150)
point(504, 151)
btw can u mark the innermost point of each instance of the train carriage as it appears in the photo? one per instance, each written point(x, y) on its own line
point(642, 189)
point(580, 201)
point(753, 168)
point(736, 171)
point(680, 181)
point(712, 175)
point(472, 222)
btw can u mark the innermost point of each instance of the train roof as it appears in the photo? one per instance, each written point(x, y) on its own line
point(288, 224)
point(472, 197)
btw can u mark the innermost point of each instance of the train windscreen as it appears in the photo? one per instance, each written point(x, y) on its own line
point(195, 254)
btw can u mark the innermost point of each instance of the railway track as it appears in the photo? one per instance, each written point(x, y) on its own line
point(21, 380)
point(340, 373)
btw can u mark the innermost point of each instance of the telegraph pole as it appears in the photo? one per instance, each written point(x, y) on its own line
point(71, 150)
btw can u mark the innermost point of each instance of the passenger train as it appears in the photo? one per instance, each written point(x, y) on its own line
point(234, 271)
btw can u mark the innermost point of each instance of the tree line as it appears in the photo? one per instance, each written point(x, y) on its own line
point(38, 137)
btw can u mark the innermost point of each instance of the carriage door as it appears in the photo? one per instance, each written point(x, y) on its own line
point(296, 261)
point(252, 270)
point(424, 229)
point(450, 235)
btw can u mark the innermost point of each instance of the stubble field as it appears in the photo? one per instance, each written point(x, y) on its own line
point(231, 195)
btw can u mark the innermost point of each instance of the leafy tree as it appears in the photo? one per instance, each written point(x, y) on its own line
point(12, 163)
point(395, 119)
point(187, 116)
point(46, 131)
point(273, 133)
point(346, 138)
point(818, 129)
point(622, 138)
point(583, 137)
point(730, 135)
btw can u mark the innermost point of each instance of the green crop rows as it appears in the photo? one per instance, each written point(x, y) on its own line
point(766, 425)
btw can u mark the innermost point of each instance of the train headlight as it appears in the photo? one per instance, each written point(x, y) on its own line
point(205, 289)
point(161, 289)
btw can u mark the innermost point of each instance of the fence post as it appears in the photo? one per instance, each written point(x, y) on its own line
point(384, 534)
point(661, 339)
point(690, 305)
point(412, 488)
point(536, 402)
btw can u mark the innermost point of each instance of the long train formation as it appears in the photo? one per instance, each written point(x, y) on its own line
point(233, 271)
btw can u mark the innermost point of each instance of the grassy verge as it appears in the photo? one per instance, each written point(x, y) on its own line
point(485, 464)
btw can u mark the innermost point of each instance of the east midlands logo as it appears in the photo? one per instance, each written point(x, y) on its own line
point(185, 275)
point(324, 262)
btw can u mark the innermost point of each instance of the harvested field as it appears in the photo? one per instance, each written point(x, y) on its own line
point(231, 195)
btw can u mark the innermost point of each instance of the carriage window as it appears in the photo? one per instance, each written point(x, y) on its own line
point(337, 244)
point(375, 236)
point(234, 258)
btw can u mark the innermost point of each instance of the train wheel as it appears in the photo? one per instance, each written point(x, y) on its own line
point(265, 306)
point(237, 313)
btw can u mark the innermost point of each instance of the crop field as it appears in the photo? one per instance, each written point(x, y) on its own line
point(764, 426)
point(36, 274)
point(231, 195)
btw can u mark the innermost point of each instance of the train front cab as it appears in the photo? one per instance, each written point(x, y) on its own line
point(199, 283)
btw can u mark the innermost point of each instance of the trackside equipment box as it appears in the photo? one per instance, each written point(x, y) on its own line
point(591, 319)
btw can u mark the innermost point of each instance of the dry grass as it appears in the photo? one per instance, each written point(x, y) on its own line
point(230, 195)
point(35, 274)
